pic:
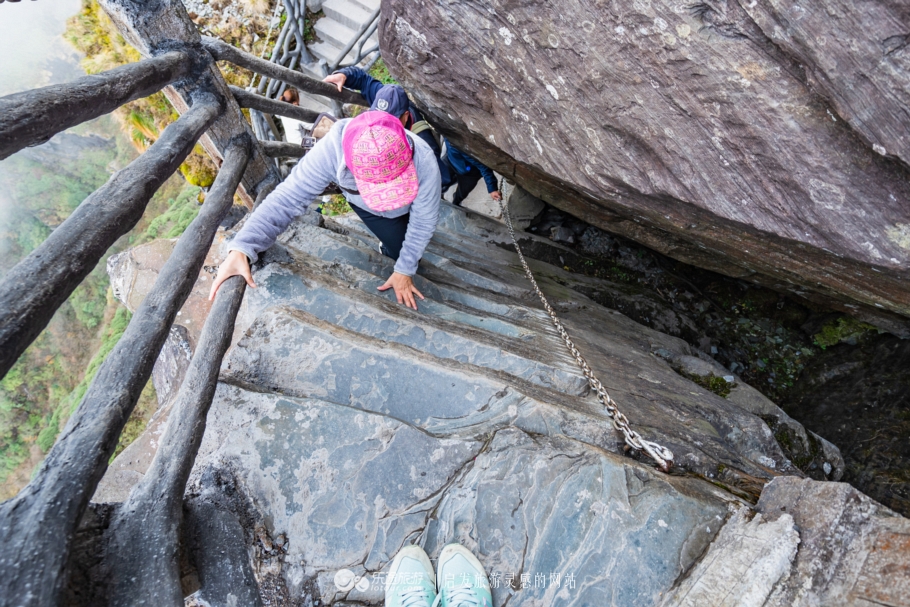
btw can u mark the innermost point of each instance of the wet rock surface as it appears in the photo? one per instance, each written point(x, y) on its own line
point(724, 135)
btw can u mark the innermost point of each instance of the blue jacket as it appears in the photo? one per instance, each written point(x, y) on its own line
point(358, 79)
point(462, 164)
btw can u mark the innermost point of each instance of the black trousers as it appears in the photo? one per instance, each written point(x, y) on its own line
point(389, 230)
point(466, 183)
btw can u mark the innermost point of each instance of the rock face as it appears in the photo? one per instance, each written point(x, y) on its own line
point(764, 139)
point(859, 398)
point(350, 426)
point(808, 544)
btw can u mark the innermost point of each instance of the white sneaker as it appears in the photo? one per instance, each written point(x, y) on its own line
point(461, 580)
point(410, 581)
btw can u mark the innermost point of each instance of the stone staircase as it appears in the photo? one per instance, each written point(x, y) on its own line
point(343, 20)
point(351, 425)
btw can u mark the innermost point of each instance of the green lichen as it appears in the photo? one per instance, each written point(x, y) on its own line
point(198, 170)
point(337, 205)
point(842, 330)
point(712, 383)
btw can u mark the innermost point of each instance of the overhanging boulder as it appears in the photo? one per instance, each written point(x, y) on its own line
point(745, 138)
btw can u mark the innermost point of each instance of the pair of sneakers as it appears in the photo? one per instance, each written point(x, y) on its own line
point(460, 580)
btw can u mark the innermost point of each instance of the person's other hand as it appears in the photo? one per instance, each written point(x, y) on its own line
point(336, 79)
point(236, 264)
point(404, 289)
point(497, 195)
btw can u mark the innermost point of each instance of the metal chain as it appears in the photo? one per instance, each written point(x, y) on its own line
point(659, 453)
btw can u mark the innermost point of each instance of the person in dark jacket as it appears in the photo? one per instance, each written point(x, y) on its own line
point(455, 168)
point(468, 172)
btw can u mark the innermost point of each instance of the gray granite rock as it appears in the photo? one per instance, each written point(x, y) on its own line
point(171, 365)
point(809, 544)
point(763, 139)
point(523, 206)
point(347, 488)
point(347, 426)
point(559, 523)
point(321, 299)
point(811, 453)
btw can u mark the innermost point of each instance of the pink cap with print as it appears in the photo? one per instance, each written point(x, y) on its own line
point(377, 152)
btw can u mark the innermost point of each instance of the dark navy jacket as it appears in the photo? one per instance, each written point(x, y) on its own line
point(462, 163)
point(358, 79)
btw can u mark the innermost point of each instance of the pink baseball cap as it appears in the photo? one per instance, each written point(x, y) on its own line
point(379, 155)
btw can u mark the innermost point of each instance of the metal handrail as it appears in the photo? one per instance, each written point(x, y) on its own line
point(366, 30)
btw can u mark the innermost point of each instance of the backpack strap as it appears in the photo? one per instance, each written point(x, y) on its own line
point(422, 126)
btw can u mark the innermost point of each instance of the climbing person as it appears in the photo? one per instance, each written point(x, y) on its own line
point(467, 172)
point(291, 96)
point(293, 129)
point(389, 177)
point(459, 581)
point(455, 167)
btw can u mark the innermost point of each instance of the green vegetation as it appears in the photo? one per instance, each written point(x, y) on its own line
point(844, 329)
point(337, 205)
point(380, 72)
point(309, 31)
point(93, 33)
point(40, 188)
point(197, 170)
point(181, 211)
point(712, 383)
point(68, 405)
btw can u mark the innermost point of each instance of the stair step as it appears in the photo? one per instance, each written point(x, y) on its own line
point(371, 267)
point(332, 31)
point(329, 52)
point(440, 335)
point(367, 5)
point(347, 13)
point(314, 104)
point(299, 355)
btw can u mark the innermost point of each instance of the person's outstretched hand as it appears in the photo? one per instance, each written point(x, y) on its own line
point(336, 79)
point(404, 289)
point(497, 195)
point(236, 264)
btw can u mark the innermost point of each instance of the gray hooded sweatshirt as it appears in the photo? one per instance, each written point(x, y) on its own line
point(325, 164)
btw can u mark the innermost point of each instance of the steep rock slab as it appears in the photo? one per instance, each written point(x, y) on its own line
point(307, 335)
point(557, 523)
point(346, 426)
point(346, 488)
point(681, 126)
